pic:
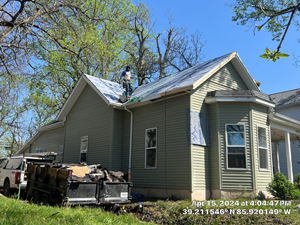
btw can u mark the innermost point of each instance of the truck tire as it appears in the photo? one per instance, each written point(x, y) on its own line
point(6, 188)
point(36, 197)
point(45, 199)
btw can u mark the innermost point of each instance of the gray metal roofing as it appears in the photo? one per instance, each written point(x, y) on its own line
point(186, 78)
point(239, 93)
point(286, 97)
point(111, 90)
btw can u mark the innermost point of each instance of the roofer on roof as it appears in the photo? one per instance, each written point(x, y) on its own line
point(125, 77)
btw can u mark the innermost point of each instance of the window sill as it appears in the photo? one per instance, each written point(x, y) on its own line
point(150, 168)
point(263, 170)
point(236, 169)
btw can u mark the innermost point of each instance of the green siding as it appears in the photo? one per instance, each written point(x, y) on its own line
point(90, 116)
point(50, 140)
point(117, 140)
point(125, 141)
point(227, 78)
point(235, 113)
point(177, 149)
point(214, 146)
point(260, 118)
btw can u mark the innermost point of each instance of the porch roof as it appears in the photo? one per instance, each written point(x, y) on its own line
point(280, 124)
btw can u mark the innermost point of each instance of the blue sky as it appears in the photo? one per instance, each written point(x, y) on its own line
point(213, 19)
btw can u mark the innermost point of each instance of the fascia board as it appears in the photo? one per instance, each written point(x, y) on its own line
point(245, 75)
point(211, 100)
point(284, 119)
point(97, 90)
point(29, 142)
point(51, 126)
point(71, 99)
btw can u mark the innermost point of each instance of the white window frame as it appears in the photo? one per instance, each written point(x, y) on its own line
point(150, 168)
point(244, 146)
point(87, 147)
point(258, 147)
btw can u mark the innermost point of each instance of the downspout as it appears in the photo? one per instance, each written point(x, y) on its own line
point(130, 144)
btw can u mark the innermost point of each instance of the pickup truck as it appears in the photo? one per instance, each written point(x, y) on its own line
point(13, 170)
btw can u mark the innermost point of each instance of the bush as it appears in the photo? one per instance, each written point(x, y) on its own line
point(297, 181)
point(282, 188)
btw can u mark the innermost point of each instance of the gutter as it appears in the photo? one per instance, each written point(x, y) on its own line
point(130, 144)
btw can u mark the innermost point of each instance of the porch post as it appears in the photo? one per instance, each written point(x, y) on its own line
point(277, 157)
point(288, 156)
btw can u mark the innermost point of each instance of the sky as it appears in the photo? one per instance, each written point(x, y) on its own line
point(222, 35)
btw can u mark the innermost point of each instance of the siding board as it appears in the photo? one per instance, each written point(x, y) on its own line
point(206, 169)
point(90, 116)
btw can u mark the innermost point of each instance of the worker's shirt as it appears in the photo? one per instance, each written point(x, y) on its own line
point(125, 75)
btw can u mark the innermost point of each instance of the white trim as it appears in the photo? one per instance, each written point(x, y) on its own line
point(51, 126)
point(258, 147)
point(71, 99)
point(244, 73)
point(210, 100)
point(244, 146)
point(146, 148)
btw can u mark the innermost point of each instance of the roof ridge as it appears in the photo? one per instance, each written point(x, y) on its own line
point(285, 91)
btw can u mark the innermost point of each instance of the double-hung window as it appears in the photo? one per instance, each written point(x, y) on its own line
point(151, 148)
point(236, 146)
point(262, 148)
point(83, 148)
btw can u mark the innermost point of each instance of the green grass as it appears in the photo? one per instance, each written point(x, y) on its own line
point(171, 212)
point(13, 211)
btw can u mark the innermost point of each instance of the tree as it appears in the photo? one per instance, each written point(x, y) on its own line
point(23, 21)
point(181, 51)
point(274, 15)
point(173, 35)
point(140, 50)
point(91, 47)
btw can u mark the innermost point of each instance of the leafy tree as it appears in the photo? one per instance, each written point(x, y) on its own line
point(91, 47)
point(140, 50)
point(275, 15)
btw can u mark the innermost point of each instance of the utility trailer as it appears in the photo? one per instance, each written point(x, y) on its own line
point(48, 185)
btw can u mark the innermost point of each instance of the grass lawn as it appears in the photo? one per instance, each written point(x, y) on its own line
point(13, 211)
point(231, 212)
point(16, 212)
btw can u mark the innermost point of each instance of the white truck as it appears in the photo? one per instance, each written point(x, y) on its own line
point(13, 170)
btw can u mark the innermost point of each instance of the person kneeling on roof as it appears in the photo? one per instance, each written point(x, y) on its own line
point(125, 77)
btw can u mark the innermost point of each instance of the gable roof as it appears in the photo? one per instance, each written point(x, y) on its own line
point(188, 79)
point(192, 77)
point(286, 98)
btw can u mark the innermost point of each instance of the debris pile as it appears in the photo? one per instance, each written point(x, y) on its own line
point(84, 173)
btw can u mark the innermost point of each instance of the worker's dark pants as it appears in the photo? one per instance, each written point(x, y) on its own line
point(128, 88)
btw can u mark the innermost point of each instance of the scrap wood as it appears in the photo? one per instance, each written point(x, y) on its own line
point(80, 171)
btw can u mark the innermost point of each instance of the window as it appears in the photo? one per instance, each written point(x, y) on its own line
point(14, 163)
point(83, 149)
point(236, 147)
point(151, 148)
point(3, 162)
point(262, 148)
point(61, 149)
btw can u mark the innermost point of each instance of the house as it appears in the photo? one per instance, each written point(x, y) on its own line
point(201, 133)
point(287, 104)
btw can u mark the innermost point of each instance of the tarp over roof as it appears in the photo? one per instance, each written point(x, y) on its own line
point(286, 98)
point(188, 79)
point(110, 90)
